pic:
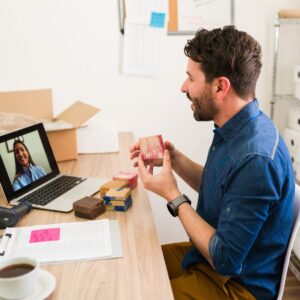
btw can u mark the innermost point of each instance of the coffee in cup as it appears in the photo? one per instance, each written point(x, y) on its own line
point(15, 270)
point(18, 277)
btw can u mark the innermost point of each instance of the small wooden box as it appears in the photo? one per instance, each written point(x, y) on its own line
point(152, 149)
point(89, 207)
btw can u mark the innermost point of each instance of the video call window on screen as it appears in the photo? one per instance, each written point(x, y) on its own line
point(24, 159)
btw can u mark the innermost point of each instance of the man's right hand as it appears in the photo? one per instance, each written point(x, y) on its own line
point(190, 171)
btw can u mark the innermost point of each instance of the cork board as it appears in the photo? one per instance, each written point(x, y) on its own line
point(186, 16)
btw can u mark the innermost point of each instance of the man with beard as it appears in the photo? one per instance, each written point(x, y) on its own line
point(242, 222)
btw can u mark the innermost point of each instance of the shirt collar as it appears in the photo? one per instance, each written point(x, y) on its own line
point(27, 169)
point(233, 126)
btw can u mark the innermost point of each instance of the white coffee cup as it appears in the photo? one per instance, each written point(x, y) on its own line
point(22, 285)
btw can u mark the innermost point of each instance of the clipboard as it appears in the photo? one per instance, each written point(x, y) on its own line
point(116, 243)
point(54, 246)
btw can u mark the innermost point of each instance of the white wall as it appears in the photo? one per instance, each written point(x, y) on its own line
point(74, 47)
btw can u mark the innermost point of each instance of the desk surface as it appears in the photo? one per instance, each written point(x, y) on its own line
point(141, 272)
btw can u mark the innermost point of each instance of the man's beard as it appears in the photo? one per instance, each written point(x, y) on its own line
point(205, 108)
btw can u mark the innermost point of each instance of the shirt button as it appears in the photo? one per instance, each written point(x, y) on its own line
point(213, 148)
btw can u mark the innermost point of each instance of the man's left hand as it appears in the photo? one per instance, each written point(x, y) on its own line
point(164, 183)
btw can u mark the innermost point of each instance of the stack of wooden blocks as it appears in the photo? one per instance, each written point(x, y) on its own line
point(117, 193)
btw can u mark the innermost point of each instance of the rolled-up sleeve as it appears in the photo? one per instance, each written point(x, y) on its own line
point(16, 185)
point(250, 192)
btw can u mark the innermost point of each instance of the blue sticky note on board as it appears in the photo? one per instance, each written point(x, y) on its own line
point(157, 20)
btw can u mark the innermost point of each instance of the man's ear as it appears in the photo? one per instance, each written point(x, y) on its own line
point(221, 87)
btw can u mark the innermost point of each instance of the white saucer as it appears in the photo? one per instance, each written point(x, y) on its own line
point(45, 286)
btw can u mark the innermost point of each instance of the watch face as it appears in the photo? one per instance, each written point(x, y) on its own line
point(174, 205)
point(172, 209)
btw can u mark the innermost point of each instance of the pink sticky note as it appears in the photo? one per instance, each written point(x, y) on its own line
point(44, 235)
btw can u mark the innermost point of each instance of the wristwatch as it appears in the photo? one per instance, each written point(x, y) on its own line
point(174, 204)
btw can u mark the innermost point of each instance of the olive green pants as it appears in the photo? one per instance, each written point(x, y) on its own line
point(200, 281)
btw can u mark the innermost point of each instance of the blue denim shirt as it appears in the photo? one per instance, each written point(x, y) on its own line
point(246, 194)
point(30, 174)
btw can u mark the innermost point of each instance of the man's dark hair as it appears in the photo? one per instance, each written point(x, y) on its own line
point(230, 53)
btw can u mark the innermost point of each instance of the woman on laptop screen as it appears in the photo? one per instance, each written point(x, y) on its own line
point(26, 170)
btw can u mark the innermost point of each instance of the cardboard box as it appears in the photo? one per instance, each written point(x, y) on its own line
point(289, 13)
point(38, 105)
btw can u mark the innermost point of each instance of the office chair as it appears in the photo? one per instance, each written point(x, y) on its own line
point(296, 225)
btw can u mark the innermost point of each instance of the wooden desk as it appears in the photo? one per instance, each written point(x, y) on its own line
point(141, 273)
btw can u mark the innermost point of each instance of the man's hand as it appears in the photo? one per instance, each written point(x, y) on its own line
point(164, 183)
point(135, 151)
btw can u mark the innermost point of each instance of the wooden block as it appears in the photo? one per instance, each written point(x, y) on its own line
point(117, 194)
point(152, 149)
point(124, 203)
point(120, 208)
point(113, 184)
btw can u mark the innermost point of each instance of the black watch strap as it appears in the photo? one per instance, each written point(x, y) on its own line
point(174, 204)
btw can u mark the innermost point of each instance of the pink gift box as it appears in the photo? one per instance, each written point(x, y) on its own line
point(129, 177)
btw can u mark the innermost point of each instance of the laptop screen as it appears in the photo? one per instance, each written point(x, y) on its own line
point(26, 160)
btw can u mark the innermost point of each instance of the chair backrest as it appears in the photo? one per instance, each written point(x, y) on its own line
point(296, 225)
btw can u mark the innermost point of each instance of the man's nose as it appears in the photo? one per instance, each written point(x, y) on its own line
point(184, 87)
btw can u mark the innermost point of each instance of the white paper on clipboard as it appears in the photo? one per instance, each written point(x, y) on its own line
point(77, 241)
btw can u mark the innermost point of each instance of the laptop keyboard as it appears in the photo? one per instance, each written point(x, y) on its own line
point(52, 190)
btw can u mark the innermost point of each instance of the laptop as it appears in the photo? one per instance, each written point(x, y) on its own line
point(30, 172)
